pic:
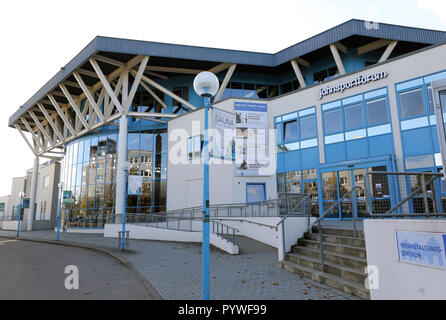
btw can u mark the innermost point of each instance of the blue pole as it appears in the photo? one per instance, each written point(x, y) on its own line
point(205, 248)
point(19, 214)
point(123, 215)
point(58, 218)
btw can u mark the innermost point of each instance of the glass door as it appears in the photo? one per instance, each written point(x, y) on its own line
point(345, 182)
point(337, 184)
point(359, 194)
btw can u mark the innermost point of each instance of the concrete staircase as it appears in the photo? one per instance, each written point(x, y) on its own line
point(345, 260)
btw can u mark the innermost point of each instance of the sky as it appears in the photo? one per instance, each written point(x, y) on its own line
point(40, 37)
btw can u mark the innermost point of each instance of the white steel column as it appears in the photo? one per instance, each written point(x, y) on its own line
point(122, 155)
point(337, 58)
point(32, 202)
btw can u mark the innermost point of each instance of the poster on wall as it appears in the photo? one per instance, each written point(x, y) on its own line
point(67, 197)
point(251, 143)
point(223, 140)
point(134, 185)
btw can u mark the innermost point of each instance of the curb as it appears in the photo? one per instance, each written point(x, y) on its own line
point(151, 291)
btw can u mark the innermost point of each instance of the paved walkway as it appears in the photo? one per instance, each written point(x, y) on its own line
point(174, 269)
point(33, 270)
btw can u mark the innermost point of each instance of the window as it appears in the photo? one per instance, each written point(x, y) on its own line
point(430, 96)
point(320, 76)
point(194, 147)
point(182, 92)
point(46, 181)
point(353, 117)
point(307, 127)
point(134, 160)
point(255, 193)
point(290, 131)
point(146, 159)
point(292, 176)
point(147, 173)
point(262, 91)
point(286, 87)
point(332, 121)
point(377, 112)
point(411, 103)
point(293, 187)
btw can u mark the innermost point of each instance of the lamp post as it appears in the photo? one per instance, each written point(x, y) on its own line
point(125, 166)
point(19, 213)
point(206, 85)
point(60, 185)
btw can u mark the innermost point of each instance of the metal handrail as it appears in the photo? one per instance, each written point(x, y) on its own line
point(228, 229)
point(282, 221)
point(292, 210)
point(318, 222)
point(247, 221)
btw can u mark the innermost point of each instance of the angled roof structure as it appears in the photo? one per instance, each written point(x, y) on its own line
point(211, 56)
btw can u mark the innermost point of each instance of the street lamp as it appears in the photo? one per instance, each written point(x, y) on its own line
point(19, 215)
point(125, 166)
point(60, 185)
point(206, 85)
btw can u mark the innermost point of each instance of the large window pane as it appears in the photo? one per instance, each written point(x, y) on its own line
point(147, 141)
point(332, 121)
point(255, 193)
point(133, 141)
point(411, 103)
point(353, 117)
point(290, 131)
point(377, 112)
point(307, 127)
point(329, 186)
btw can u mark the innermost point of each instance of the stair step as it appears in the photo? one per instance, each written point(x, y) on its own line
point(330, 280)
point(348, 273)
point(330, 247)
point(338, 258)
point(342, 240)
point(340, 232)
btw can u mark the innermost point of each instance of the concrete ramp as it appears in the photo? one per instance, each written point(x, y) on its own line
point(158, 234)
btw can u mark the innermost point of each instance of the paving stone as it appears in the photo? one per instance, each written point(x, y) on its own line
point(174, 269)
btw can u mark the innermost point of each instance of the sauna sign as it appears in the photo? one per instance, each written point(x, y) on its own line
point(223, 138)
point(359, 81)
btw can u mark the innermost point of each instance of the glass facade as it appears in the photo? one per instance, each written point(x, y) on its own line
point(89, 171)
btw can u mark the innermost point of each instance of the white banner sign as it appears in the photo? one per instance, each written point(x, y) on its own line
point(251, 144)
point(223, 140)
point(424, 249)
point(134, 185)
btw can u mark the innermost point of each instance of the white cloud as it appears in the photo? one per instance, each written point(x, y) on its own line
point(437, 7)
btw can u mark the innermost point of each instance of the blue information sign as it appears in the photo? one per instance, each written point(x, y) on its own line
point(424, 249)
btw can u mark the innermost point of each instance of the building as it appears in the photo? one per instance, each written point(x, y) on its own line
point(46, 203)
point(354, 98)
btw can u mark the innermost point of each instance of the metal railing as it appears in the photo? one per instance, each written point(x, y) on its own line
point(322, 217)
point(224, 231)
point(292, 213)
point(183, 223)
point(393, 194)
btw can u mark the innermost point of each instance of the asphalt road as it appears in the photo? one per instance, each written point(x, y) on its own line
point(31, 270)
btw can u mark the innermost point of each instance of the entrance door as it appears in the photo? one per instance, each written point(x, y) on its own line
point(336, 184)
